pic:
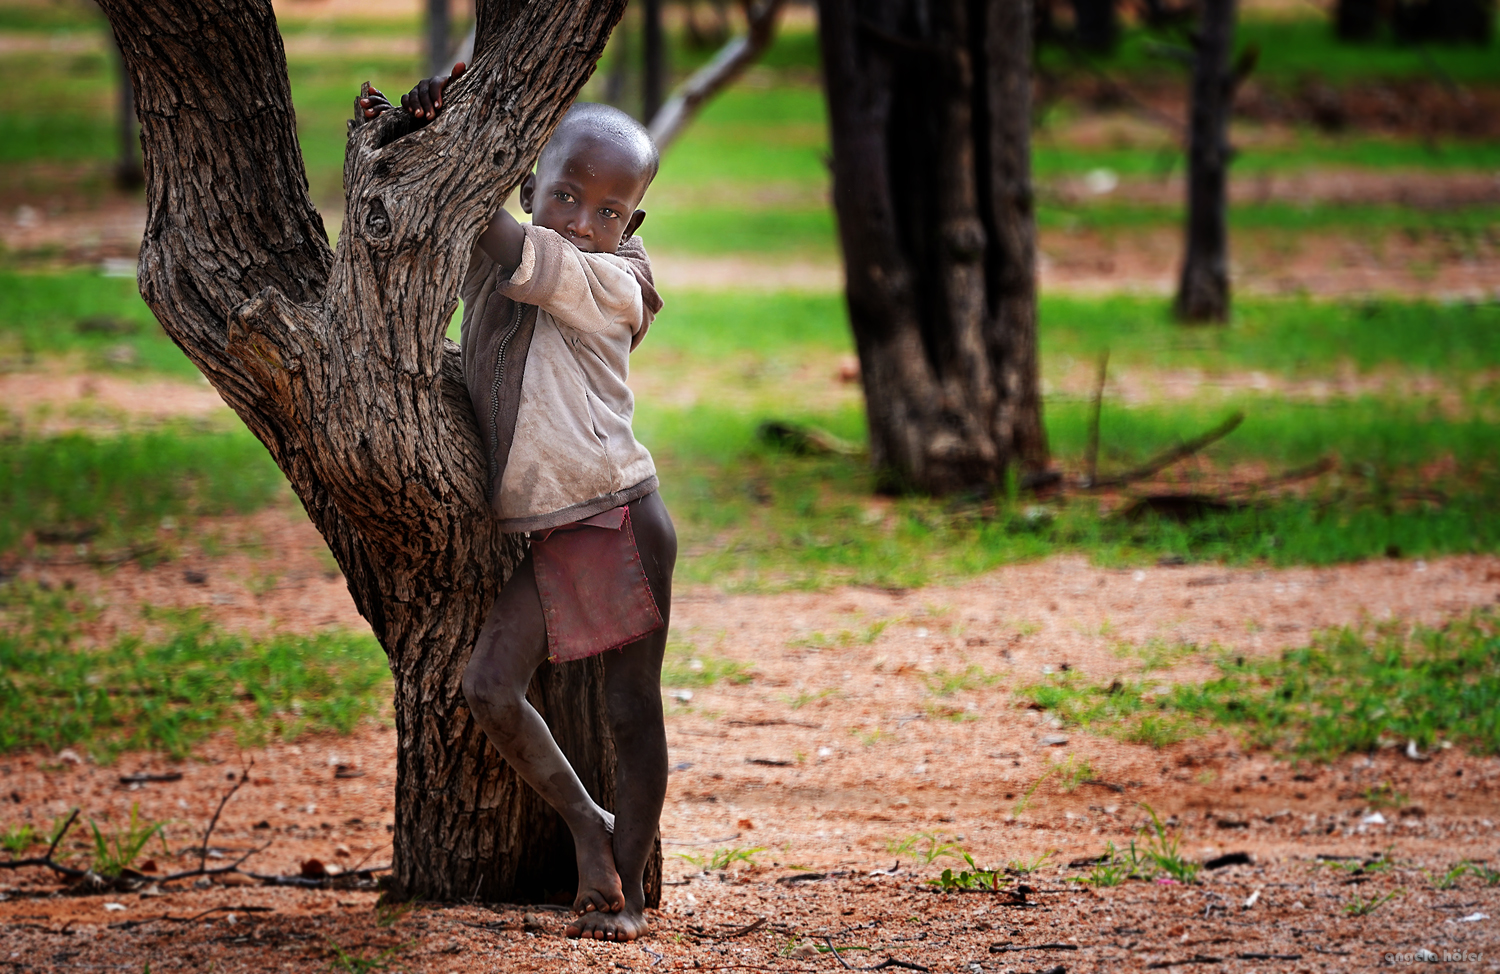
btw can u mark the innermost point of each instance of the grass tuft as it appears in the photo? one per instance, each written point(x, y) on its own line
point(1347, 691)
point(168, 689)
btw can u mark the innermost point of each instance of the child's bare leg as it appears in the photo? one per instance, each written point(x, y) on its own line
point(632, 687)
point(512, 644)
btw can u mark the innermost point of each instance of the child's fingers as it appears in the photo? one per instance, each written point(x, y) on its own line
point(424, 100)
point(458, 69)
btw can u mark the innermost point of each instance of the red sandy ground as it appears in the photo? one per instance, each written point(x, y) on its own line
point(826, 757)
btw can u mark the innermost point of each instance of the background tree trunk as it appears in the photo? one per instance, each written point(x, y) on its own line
point(929, 113)
point(128, 172)
point(439, 25)
point(1203, 293)
point(654, 66)
point(1356, 20)
point(1096, 25)
point(336, 360)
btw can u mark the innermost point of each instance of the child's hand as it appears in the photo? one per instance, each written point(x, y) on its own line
point(426, 99)
point(370, 103)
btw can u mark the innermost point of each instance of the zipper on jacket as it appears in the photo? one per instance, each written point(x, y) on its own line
point(494, 449)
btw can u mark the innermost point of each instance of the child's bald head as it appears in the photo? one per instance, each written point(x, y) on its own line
point(591, 177)
point(604, 124)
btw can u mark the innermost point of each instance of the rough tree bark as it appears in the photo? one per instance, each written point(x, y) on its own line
point(336, 360)
point(1203, 291)
point(929, 113)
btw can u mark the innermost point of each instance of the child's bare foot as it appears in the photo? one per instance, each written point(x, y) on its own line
point(626, 925)
point(599, 889)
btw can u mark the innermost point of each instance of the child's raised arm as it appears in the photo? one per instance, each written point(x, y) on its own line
point(503, 237)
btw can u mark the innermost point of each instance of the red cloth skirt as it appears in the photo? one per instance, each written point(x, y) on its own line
point(595, 596)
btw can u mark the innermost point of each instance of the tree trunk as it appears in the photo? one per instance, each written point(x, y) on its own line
point(929, 114)
point(336, 360)
point(439, 24)
point(1203, 293)
point(1356, 20)
point(128, 172)
point(654, 67)
point(1096, 25)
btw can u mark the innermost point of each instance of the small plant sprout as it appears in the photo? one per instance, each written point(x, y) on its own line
point(1488, 876)
point(116, 852)
point(1384, 795)
point(1164, 851)
point(345, 961)
point(926, 846)
point(722, 859)
point(971, 878)
point(17, 840)
point(1024, 801)
point(1025, 867)
point(1449, 879)
point(1109, 869)
point(1361, 907)
point(1074, 771)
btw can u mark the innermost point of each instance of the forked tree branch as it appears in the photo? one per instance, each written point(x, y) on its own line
point(727, 65)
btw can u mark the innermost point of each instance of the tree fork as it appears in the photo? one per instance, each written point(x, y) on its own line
point(336, 360)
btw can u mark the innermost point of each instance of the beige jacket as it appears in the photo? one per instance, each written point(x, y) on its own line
point(546, 355)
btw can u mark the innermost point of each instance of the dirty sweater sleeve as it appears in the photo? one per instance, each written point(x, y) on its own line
point(587, 292)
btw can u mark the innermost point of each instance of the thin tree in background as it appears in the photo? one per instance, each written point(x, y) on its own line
point(654, 63)
point(335, 359)
point(439, 26)
point(929, 115)
point(129, 172)
point(1203, 291)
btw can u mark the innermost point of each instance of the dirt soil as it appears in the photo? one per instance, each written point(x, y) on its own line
point(834, 752)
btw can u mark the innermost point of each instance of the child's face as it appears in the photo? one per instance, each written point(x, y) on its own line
point(587, 191)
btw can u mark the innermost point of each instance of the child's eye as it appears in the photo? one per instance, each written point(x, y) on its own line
point(609, 214)
point(563, 197)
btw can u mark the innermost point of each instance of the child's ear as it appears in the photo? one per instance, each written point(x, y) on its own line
point(636, 219)
point(528, 192)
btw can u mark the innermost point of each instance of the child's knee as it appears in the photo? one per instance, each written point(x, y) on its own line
point(487, 693)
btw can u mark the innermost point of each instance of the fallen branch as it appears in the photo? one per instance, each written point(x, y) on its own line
point(132, 924)
point(244, 776)
point(1181, 451)
point(750, 928)
point(233, 867)
point(47, 861)
point(727, 65)
point(319, 882)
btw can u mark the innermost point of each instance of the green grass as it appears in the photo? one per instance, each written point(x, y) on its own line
point(116, 492)
point(1296, 338)
point(752, 517)
point(1292, 50)
point(685, 666)
point(1475, 223)
point(59, 313)
point(1349, 690)
point(178, 681)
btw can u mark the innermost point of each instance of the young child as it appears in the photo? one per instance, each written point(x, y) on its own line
point(551, 313)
